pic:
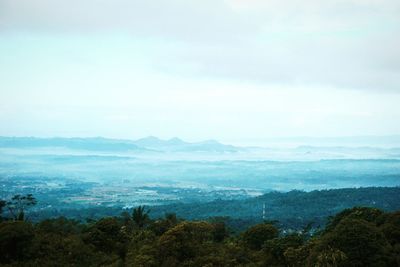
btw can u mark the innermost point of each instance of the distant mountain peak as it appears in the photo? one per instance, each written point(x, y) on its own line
point(149, 138)
point(176, 141)
point(149, 141)
point(211, 142)
point(177, 144)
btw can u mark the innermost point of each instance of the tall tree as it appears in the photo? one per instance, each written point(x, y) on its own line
point(18, 205)
point(2, 205)
point(140, 216)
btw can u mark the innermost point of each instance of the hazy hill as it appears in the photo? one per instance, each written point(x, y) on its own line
point(94, 143)
point(178, 145)
point(291, 209)
point(105, 144)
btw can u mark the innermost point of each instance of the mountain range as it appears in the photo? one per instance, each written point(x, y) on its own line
point(150, 143)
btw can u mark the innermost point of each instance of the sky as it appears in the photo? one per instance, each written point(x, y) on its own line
point(231, 70)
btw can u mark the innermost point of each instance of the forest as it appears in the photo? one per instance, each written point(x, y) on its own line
point(358, 236)
point(293, 210)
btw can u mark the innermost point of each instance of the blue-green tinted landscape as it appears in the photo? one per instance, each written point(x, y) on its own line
point(84, 172)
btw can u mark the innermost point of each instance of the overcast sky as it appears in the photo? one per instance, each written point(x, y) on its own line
point(231, 70)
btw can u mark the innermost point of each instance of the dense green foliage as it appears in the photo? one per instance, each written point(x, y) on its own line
point(354, 237)
point(293, 210)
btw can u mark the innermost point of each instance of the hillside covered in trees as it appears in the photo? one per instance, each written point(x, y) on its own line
point(354, 237)
point(293, 210)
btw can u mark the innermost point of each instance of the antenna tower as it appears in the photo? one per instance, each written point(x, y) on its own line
point(263, 214)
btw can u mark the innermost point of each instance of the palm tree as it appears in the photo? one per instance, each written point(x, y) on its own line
point(140, 216)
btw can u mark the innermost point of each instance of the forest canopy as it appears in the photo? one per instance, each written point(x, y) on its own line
point(359, 236)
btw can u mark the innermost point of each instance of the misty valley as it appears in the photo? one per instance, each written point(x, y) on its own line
point(68, 174)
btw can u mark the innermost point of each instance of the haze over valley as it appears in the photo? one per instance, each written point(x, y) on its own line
point(82, 172)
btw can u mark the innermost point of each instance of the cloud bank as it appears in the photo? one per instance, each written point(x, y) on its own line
point(345, 44)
